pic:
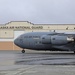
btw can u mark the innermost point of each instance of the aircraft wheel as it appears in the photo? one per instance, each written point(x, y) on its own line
point(23, 51)
point(74, 52)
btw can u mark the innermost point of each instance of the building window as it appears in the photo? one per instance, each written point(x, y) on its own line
point(67, 28)
point(5, 32)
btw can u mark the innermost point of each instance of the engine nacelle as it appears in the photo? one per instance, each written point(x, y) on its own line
point(61, 40)
point(56, 39)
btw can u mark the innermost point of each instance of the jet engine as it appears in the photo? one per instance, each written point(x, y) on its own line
point(56, 39)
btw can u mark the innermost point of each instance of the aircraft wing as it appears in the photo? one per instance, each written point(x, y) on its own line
point(67, 47)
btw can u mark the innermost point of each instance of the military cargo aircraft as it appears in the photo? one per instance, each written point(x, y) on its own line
point(52, 41)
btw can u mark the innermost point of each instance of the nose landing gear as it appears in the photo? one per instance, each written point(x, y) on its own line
point(23, 51)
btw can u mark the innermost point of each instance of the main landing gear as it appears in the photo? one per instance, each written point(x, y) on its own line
point(23, 51)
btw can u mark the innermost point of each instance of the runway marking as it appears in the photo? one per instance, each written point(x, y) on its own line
point(37, 69)
point(23, 70)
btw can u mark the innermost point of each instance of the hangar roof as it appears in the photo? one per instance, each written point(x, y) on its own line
point(26, 23)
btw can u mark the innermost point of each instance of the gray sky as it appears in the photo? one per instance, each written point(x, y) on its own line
point(38, 11)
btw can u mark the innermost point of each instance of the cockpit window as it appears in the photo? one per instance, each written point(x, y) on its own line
point(30, 36)
point(25, 36)
point(21, 40)
point(43, 38)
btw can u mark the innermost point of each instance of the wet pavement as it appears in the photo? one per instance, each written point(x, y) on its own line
point(34, 62)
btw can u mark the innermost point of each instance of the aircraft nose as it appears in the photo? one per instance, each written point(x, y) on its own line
point(16, 42)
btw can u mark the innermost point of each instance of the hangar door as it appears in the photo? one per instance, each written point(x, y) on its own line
point(17, 33)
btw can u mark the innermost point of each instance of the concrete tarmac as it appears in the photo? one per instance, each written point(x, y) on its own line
point(37, 63)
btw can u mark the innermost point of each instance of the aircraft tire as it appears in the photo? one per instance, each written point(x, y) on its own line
point(23, 51)
point(74, 52)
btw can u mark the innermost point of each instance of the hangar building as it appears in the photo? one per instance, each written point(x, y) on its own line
point(11, 30)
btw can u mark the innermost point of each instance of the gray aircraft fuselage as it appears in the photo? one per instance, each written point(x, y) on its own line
point(45, 41)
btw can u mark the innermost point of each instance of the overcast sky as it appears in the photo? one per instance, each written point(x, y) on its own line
point(38, 11)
